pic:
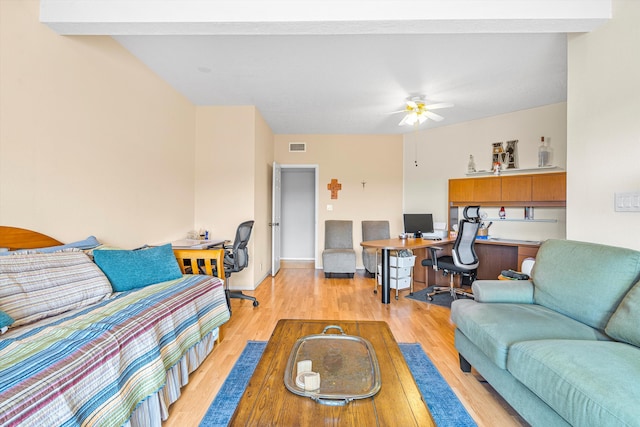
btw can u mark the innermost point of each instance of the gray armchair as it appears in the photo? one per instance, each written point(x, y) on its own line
point(338, 256)
point(373, 230)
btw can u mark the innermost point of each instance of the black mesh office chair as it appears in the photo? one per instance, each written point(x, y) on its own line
point(236, 258)
point(463, 260)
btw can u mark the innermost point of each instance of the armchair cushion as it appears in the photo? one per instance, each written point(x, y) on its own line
point(339, 260)
point(338, 255)
point(373, 230)
point(338, 234)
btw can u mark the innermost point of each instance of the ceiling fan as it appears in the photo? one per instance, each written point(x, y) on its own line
point(417, 111)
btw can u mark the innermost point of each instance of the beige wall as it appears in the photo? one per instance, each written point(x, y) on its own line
point(352, 159)
point(603, 129)
point(91, 141)
point(234, 153)
point(443, 153)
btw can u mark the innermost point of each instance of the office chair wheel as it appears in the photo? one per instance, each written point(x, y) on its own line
point(375, 291)
point(256, 303)
point(396, 297)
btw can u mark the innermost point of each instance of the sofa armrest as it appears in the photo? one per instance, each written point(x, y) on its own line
point(506, 291)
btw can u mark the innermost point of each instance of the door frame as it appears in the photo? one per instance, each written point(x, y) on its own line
point(316, 169)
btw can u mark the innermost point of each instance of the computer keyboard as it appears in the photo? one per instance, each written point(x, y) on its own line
point(431, 237)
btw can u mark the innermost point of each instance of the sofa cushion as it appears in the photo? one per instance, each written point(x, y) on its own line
point(495, 327)
point(585, 281)
point(129, 270)
point(623, 325)
point(589, 383)
point(36, 286)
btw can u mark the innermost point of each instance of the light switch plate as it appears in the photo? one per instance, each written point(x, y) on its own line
point(627, 202)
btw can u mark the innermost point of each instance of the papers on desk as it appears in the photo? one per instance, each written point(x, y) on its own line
point(196, 243)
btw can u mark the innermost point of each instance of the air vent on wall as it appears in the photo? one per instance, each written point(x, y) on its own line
point(298, 147)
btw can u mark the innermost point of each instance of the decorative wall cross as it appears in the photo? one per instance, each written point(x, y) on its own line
point(334, 186)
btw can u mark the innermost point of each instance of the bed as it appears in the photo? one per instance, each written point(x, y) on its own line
point(91, 352)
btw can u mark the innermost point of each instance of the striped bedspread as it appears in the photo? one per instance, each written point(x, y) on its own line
point(93, 366)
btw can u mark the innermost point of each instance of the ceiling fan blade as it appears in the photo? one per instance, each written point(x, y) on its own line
point(438, 105)
point(404, 120)
point(434, 116)
point(422, 118)
point(399, 111)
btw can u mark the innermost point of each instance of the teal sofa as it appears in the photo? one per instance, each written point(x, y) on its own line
point(564, 347)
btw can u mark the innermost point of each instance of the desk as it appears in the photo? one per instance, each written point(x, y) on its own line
point(196, 244)
point(494, 256)
point(397, 244)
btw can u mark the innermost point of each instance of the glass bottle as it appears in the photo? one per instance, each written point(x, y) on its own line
point(543, 153)
point(502, 213)
point(471, 167)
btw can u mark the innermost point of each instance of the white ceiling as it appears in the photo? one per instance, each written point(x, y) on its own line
point(323, 67)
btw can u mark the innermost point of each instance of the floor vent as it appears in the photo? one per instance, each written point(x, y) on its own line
point(298, 147)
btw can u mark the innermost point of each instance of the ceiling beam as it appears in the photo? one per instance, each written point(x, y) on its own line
point(240, 17)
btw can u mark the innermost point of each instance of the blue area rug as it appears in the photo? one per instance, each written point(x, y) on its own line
point(443, 404)
point(445, 407)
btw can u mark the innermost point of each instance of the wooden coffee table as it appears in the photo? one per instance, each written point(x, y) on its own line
point(266, 401)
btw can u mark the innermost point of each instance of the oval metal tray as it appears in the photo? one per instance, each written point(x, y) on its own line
point(347, 365)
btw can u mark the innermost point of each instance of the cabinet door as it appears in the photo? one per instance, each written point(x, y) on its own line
point(549, 187)
point(516, 188)
point(461, 190)
point(487, 190)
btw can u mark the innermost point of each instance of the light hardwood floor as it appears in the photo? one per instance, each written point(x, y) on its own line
point(304, 293)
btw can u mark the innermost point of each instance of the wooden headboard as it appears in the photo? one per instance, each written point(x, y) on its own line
point(20, 238)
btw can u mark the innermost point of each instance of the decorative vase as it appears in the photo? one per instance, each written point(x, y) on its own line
point(471, 167)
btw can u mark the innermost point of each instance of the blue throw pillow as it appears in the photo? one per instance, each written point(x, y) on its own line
point(5, 320)
point(128, 270)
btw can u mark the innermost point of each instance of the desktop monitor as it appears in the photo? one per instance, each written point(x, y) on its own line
point(417, 224)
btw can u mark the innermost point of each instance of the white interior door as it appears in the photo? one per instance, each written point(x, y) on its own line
point(276, 203)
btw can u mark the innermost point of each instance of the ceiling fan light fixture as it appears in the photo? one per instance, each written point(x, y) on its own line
point(417, 112)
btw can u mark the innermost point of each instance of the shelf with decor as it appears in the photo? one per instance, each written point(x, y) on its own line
point(516, 171)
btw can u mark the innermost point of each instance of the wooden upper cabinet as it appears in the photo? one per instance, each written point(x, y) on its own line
point(460, 190)
point(549, 187)
point(545, 189)
point(474, 190)
point(487, 190)
point(516, 188)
